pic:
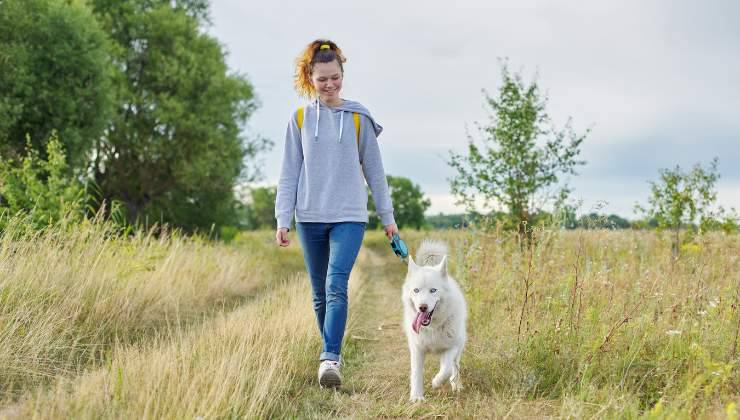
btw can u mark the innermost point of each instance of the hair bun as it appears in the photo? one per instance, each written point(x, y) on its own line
point(311, 54)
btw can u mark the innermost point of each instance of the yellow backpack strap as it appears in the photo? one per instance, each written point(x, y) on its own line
point(356, 117)
point(299, 118)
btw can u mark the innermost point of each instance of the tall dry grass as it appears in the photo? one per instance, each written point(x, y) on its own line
point(69, 294)
point(242, 364)
point(582, 324)
point(604, 322)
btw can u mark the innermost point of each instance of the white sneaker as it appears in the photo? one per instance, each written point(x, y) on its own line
point(329, 375)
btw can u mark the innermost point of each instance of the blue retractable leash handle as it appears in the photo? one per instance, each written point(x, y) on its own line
point(399, 246)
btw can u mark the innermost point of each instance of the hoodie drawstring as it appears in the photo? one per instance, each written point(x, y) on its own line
point(316, 130)
point(341, 124)
point(318, 112)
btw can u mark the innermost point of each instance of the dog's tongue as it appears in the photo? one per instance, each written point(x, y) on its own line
point(422, 319)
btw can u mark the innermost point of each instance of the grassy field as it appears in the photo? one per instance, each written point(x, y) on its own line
point(583, 324)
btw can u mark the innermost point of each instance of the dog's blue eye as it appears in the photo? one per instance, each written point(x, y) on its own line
point(416, 290)
point(433, 290)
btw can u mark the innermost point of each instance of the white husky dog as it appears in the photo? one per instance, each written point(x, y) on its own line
point(434, 312)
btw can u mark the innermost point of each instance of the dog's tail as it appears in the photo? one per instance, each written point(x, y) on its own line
point(431, 252)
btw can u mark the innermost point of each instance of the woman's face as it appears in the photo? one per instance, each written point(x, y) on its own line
point(327, 80)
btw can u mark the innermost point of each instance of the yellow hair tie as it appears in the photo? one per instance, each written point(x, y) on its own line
point(325, 46)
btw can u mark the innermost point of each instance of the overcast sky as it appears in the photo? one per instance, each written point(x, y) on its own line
point(657, 81)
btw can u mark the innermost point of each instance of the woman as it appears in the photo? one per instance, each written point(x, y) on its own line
point(331, 149)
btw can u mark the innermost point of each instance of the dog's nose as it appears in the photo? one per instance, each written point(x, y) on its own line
point(423, 307)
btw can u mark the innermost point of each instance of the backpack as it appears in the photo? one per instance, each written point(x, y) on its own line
point(355, 117)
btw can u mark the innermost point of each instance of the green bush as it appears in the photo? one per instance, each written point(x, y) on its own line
point(41, 189)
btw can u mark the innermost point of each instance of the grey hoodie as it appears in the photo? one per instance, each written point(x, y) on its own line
point(322, 177)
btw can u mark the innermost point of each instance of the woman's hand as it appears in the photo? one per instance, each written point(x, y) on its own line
point(281, 237)
point(390, 230)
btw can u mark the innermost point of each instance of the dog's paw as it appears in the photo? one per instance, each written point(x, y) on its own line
point(456, 385)
point(437, 382)
point(416, 398)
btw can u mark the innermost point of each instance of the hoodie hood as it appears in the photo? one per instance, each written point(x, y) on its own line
point(347, 106)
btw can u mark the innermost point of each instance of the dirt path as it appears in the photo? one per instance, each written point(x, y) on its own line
point(376, 356)
point(378, 368)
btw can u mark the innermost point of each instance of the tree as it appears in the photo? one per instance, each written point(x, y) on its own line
point(679, 199)
point(521, 158)
point(54, 76)
point(448, 221)
point(409, 204)
point(260, 211)
point(173, 152)
point(601, 221)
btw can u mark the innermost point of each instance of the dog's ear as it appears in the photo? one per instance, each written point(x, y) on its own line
point(442, 266)
point(412, 266)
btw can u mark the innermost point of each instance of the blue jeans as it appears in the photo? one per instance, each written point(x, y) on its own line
point(329, 251)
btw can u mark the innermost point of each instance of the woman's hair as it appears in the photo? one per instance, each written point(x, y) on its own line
point(311, 55)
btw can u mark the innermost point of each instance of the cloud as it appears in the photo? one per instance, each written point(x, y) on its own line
point(659, 82)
